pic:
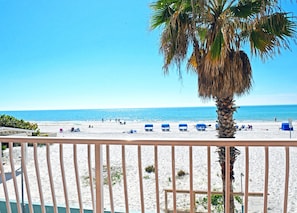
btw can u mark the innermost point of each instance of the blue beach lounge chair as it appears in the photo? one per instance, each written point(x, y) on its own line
point(148, 127)
point(201, 127)
point(183, 127)
point(165, 127)
point(286, 126)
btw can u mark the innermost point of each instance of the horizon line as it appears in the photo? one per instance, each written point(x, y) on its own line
point(157, 107)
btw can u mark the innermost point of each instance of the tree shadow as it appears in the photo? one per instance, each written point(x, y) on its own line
point(8, 175)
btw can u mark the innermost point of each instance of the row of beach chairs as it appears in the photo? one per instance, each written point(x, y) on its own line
point(166, 127)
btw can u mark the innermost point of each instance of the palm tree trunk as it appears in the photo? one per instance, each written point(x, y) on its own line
point(234, 152)
point(225, 110)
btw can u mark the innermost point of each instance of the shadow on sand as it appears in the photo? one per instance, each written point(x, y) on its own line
point(8, 175)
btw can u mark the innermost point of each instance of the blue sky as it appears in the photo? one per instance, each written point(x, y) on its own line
point(81, 54)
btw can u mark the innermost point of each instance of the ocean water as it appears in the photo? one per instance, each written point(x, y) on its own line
point(244, 113)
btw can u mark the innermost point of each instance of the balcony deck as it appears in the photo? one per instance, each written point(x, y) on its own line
point(109, 174)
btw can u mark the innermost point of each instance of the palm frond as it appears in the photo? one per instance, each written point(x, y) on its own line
point(262, 43)
point(246, 9)
point(272, 33)
point(176, 34)
point(215, 31)
point(217, 46)
point(280, 25)
point(163, 12)
point(235, 77)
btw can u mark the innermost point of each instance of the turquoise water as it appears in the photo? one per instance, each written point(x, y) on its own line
point(244, 113)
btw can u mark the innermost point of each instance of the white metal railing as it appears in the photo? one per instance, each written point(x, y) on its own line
point(48, 168)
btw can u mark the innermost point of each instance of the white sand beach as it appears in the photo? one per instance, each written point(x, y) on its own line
point(113, 129)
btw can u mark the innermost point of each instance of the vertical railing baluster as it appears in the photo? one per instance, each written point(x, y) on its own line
point(109, 179)
point(287, 179)
point(42, 206)
point(25, 173)
point(166, 201)
point(13, 174)
point(266, 179)
point(4, 184)
point(50, 173)
point(77, 178)
point(99, 179)
point(140, 179)
point(192, 195)
point(157, 178)
point(227, 179)
point(64, 179)
point(91, 175)
point(173, 177)
point(209, 178)
point(247, 174)
point(125, 179)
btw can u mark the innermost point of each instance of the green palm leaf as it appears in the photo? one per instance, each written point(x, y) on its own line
point(279, 25)
point(246, 9)
point(217, 45)
point(163, 12)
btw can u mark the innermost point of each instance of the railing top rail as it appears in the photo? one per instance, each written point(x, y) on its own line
point(152, 141)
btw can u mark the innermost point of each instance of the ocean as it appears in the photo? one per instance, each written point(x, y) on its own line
point(244, 113)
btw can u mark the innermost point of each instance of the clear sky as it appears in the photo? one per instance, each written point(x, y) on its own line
point(82, 54)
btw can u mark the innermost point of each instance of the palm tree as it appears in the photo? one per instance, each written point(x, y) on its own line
point(211, 35)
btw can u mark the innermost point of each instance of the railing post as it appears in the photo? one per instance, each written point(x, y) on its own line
point(286, 194)
point(99, 178)
point(209, 179)
point(227, 179)
point(266, 179)
point(247, 174)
